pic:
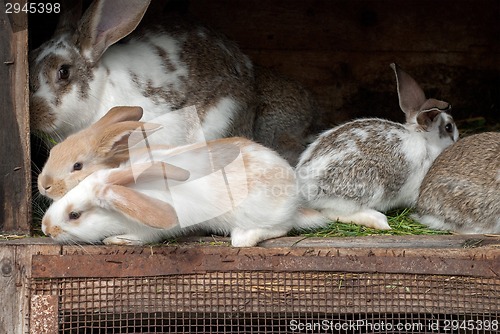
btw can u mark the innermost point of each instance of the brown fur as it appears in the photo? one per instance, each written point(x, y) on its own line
point(463, 185)
point(103, 145)
point(147, 210)
point(275, 111)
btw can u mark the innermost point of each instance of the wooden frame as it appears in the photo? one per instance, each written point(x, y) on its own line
point(22, 261)
point(15, 167)
point(345, 64)
point(31, 305)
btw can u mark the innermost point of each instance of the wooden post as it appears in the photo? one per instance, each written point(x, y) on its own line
point(15, 297)
point(15, 175)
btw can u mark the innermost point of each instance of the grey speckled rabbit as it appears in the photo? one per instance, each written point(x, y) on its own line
point(461, 192)
point(101, 60)
point(357, 169)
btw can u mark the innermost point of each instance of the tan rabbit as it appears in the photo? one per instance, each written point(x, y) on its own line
point(105, 144)
point(461, 191)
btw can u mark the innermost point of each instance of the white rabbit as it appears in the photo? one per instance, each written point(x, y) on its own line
point(368, 165)
point(461, 191)
point(229, 186)
point(82, 72)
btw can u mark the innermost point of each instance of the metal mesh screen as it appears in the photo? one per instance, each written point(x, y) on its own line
point(275, 302)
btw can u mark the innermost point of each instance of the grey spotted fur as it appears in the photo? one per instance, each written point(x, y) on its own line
point(365, 165)
point(461, 192)
point(162, 69)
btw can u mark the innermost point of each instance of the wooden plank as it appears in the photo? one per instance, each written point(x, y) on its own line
point(15, 168)
point(391, 242)
point(461, 242)
point(11, 317)
point(364, 25)
point(139, 262)
point(341, 50)
point(15, 274)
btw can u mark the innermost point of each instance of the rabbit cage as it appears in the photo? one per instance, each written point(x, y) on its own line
point(340, 50)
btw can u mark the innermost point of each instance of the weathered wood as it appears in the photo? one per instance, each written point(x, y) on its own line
point(199, 260)
point(392, 242)
point(89, 285)
point(475, 256)
point(341, 49)
point(461, 242)
point(362, 25)
point(15, 168)
point(15, 275)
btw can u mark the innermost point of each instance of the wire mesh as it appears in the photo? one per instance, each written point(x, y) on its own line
point(275, 302)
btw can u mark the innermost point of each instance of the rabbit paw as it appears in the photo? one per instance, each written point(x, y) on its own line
point(368, 217)
point(123, 240)
point(250, 238)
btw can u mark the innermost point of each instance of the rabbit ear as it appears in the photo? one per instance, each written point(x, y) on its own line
point(119, 114)
point(147, 171)
point(105, 23)
point(141, 208)
point(69, 17)
point(426, 118)
point(411, 96)
point(413, 102)
point(430, 110)
point(116, 139)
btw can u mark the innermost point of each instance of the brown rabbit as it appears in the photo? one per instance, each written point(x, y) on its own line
point(461, 192)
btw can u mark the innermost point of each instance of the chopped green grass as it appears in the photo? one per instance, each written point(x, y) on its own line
point(400, 221)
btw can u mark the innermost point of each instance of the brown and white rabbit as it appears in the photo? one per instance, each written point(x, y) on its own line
point(232, 185)
point(461, 191)
point(97, 62)
point(105, 144)
point(357, 169)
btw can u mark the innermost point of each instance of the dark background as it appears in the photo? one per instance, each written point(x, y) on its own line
point(341, 49)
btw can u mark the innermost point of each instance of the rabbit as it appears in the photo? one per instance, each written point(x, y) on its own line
point(243, 189)
point(461, 191)
point(355, 170)
point(82, 72)
point(105, 144)
point(101, 60)
point(287, 114)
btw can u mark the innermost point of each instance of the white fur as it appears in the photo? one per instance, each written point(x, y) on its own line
point(219, 117)
point(113, 84)
point(420, 149)
point(264, 205)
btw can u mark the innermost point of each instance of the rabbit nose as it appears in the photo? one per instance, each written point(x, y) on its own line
point(44, 183)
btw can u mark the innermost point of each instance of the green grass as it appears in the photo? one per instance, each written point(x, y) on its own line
point(399, 220)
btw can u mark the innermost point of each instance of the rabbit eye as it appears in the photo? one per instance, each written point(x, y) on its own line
point(73, 215)
point(77, 166)
point(63, 73)
point(449, 127)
